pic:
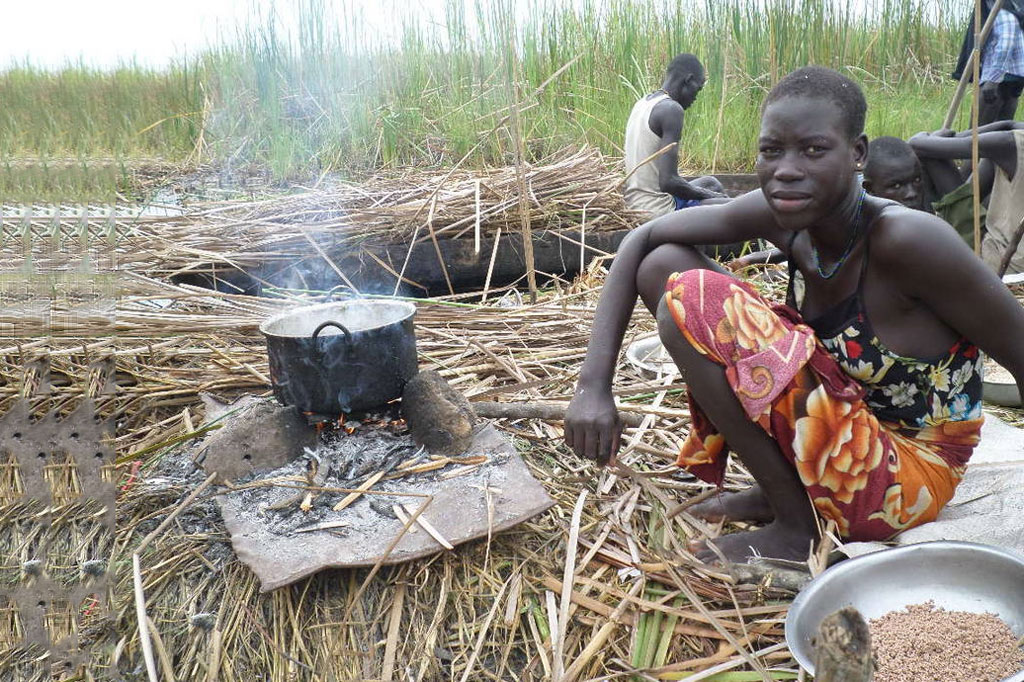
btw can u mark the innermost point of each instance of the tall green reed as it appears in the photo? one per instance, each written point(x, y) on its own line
point(330, 96)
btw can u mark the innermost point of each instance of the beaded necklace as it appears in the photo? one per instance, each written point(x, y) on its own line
point(849, 243)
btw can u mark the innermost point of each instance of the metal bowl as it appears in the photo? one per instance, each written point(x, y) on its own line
point(649, 355)
point(997, 390)
point(960, 576)
point(999, 393)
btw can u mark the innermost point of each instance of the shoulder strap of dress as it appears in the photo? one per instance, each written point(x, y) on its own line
point(867, 248)
point(791, 268)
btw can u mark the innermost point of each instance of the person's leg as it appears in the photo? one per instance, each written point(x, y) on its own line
point(1010, 95)
point(794, 527)
point(1009, 110)
point(654, 271)
point(990, 110)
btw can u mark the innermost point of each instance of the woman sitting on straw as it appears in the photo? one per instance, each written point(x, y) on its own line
point(862, 402)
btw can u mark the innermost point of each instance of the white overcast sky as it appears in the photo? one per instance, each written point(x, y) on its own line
point(103, 33)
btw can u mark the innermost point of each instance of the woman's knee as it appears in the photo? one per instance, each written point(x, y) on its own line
point(659, 264)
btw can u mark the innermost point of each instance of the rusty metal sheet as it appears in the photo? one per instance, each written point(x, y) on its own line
point(459, 511)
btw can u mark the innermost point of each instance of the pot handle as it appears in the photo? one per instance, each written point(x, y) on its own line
point(324, 325)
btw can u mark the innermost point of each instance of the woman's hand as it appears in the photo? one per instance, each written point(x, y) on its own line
point(592, 426)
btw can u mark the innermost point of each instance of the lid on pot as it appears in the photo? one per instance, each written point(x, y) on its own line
point(356, 316)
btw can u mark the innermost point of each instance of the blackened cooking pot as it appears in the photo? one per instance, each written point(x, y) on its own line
point(339, 357)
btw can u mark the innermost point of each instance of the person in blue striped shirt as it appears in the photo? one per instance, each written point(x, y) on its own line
point(1002, 61)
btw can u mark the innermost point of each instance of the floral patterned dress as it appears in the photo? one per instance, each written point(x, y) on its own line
point(879, 441)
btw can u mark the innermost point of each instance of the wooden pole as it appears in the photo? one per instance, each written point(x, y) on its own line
point(975, 110)
point(961, 87)
point(1011, 249)
point(515, 129)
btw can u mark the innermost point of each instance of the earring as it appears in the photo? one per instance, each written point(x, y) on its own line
point(860, 166)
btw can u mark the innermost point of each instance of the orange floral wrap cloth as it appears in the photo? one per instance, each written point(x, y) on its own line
point(872, 478)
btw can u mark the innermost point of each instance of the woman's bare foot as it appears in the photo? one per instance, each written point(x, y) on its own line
point(774, 540)
point(744, 505)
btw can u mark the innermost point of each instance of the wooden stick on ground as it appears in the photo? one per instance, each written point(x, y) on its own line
point(352, 497)
point(494, 410)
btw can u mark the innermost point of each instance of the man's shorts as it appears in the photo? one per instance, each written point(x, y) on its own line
point(1012, 86)
point(685, 203)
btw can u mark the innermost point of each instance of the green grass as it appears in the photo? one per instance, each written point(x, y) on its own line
point(332, 99)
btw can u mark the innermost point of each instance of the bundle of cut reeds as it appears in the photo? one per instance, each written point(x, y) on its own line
point(576, 190)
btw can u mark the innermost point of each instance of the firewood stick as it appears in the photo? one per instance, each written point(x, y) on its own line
point(352, 497)
point(495, 410)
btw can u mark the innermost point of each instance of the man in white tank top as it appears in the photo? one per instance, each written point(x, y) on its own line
point(656, 121)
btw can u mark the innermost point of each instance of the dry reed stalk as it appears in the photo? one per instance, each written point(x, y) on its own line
point(394, 623)
point(483, 631)
point(600, 638)
point(143, 620)
point(567, 579)
point(331, 622)
point(241, 235)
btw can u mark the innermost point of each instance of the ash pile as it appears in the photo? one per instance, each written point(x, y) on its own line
point(364, 472)
point(309, 492)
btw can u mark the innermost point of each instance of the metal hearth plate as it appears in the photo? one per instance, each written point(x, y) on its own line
point(459, 512)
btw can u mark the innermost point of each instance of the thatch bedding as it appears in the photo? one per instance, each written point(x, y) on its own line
point(438, 618)
point(637, 604)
